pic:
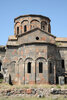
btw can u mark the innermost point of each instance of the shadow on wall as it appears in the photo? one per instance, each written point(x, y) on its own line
point(10, 82)
point(1, 76)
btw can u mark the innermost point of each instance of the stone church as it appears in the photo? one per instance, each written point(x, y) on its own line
point(33, 55)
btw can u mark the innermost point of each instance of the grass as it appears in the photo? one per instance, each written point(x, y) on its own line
point(1, 80)
point(4, 86)
point(33, 98)
point(58, 86)
point(7, 86)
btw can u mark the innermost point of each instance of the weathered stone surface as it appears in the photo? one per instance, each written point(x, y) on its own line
point(59, 91)
point(40, 93)
point(35, 92)
point(33, 42)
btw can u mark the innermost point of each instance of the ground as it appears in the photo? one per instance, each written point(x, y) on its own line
point(32, 98)
point(50, 97)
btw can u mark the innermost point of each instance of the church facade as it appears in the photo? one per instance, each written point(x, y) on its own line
point(33, 55)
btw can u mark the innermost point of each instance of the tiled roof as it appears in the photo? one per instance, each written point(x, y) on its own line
point(61, 39)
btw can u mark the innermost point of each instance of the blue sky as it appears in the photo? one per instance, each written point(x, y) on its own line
point(56, 10)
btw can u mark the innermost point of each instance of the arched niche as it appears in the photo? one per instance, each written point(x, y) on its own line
point(29, 73)
point(44, 25)
point(34, 24)
point(28, 65)
point(20, 71)
point(12, 67)
point(41, 70)
point(40, 62)
point(17, 28)
point(25, 25)
point(51, 70)
point(20, 65)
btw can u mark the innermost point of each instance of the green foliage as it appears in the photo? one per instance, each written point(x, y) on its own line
point(1, 80)
point(58, 86)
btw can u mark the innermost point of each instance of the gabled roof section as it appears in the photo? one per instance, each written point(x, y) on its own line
point(32, 15)
point(12, 41)
point(12, 38)
point(61, 39)
point(35, 29)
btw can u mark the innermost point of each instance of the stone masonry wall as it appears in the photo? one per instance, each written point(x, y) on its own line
point(31, 22)
point(34, 54)
point(9, 61)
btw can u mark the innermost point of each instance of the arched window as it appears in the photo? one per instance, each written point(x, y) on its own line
point(50, 67)
point(49, 30)
point(40, 67)
point(17, 30)
point(0, 66)
point(62, 62)
point(25, 28)
point(43, 25)
point(29, 67)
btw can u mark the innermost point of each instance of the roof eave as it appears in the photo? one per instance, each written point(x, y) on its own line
point(31, 15)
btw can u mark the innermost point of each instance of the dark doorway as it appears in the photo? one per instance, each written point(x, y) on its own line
point(1, 76)
point(57, 82)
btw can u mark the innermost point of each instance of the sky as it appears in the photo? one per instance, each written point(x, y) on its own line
point(56, 10)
